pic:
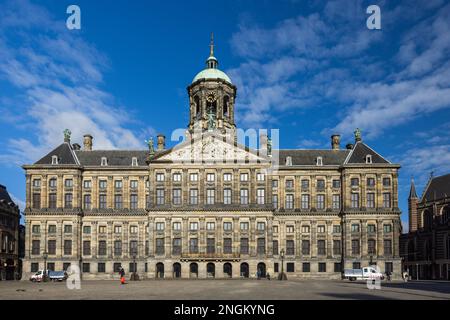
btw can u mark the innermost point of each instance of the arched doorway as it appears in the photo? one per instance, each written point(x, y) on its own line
point(193, 270)
point(160, 270)
point(244, 270)
point(177, 270)
point(227, 270)
point(210, 270)
point(262, 269)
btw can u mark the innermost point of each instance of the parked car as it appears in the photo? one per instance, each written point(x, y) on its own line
point(367, 273)
point(52, 275)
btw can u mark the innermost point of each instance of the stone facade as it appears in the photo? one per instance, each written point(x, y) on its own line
point(186, 212)
point(426, 248)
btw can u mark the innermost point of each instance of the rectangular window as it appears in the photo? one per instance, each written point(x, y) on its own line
point(320, 184)
point(36, 247)
point(336, 184)
point(227, 177)
point(322, 267)
point(275, 247)
point(176, 177)
point(102, 229)
point(260, 194)
point(305, 229)
point(117, 248)
point(336, 201)
point(260, 226)
point(133, 248)
point(355, 200)
point(244, 245)
point(336, 229)
point(370, 182)
point(160, 246)
point(386, 182)
point(36, 183)
point(290, 267)
point(387, 228)
point(52, 228)
point(52, 183)
point(226, 196)
point(176, 196)
point(210, 226)
point(261, 246)
point(102, 201)
point(337, 267)
point(355, 247)
point(388, 267)
point(274, 183)
point(52, 200)
point(133, 184)
point(227, 246)
point(68, 183)
point(36, 229)
point(51, 246)
point(387, 247)
point(193, 226)
point(87, 202)
point(210, 246)
point(193, 177)
point(102, 184)
point(320, 201)
point(86, 248)
point(118, 184)
point(276, 267)
point(260, 177)
point(289, 229)
point(193, 196)
point(227, 226)
point(34, 267)
point(244, 196)
point(289, 184)
point(210, 177)
point(386, 200)
point(305, 247)
point(101, 267)
point(356, 265)
point(354, 182)
point(244, 177)
point(160, 226)
point(305, 184)
point(321, 249)
point(306, 267)
point(371, 228)
point(321, 229)
point(210, 196)
point(275, 201)
point(290, 247)
point(86, 267)
point(177, 226)
point(134, 229)
point(193, 245)
point(102, 248)
point(371, 247)
point(337, 247)
point(355, 228)
point(371, 200)
point(36, 200)
point(160, 177)
point(305, 201)
point(117, 229)
point(289, 201)
point(244, 226)
point(118, 201)
point(68, 229)
point(160, 197)
point(176, 246)
point(68, 201)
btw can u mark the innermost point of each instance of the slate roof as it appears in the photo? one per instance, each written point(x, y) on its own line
point(412, 192)
point(359, 153)
point(309, 157)
point(438, 188)
point(65, 155)
point(4, 195)
point(115, 157)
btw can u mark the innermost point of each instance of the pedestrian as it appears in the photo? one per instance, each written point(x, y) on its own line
point(268, 276)
point(258, 276)
point(122, 275)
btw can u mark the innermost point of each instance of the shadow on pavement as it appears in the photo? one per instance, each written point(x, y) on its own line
point(355, 296)
point(438, 287)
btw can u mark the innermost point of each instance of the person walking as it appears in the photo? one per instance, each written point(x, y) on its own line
point(122, 275)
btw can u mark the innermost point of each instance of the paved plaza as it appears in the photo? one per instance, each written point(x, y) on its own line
point(225, 290)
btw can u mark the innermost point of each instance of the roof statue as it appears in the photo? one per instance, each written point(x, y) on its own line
point(358, 135)
point(67, 134)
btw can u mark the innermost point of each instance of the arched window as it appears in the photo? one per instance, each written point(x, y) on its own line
point(427, 220)
point(197, 107)
point(160, 270)
point(226, 106)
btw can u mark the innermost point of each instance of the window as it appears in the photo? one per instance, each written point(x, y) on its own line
point(160, 246)
point(260, 177)
point(210, 226)
point(289, 201)
point(289, 184)
point(86, 248)
point(226, 196)
point(34, 267)
point(290, 267)
point(68, 229)
point(52, 228)
point(68, 183)
point(305, 247)
point(210, 177)
point(117, 229)
point(227, 177)
point(176, 177)
point(355, 200)
point(321, 249)
point(177, 226)
point(370, 182)
point(289, 229)
point(160, 197)
point(193, 226)
point(355, 247)
point(319, 161)
point(133, 247)
point(244, 177)
point(102, 229)
point(386, 200)
point(134, 162)
point(147, 183)
point(388, 267)
point(371, 228)
point(244, 245)
point(337, 267)
point(193, 177)
point(320, 184)
point(117, 248)
point(118, 184)
point(193, 245)
point(101, 267)
point(86, 267)
point(193, 196)
point(118, 201)
point(133, 184)
point(116, 267)
point(275, 247)
point(51, 246)
point(387, 228)
point(289, 161)
point(176, 196)
point(290, 247)
point(260, 196)
point(87, 229)
point(104, 162)
point(260, 226)
point(36, 183)
point(176, 246)
point(36, 247)
point(322, 267)
point(227, 246)
point(36, 200)
point(305, 184)
point(261, 246)
point(355, 228)
point(36, 229)
point(244, 226)
point(336, 247)
point(227, 226)
point(87, 202)
point(369, 159)
point(134, 229)
point(160, 226)
point(336, 184)
point(354, 182)
point(275, 201)
point(371, 200)
point(276, 267)
point(133, 201)
point(102, 201)
point(147, 201)
point(102, 184)
point(274, 183)
point(305, 229)
point(305, 201)
point(210, 196)
point(336, 202)
point(387, 247)
point(371, 247)
point(386, 182)
point(321, 229)
point(244, 196)
point(160, 177)
point(54, 159)
point(321, 201)
point(210, 245)
point(52, 183)
point(336, 229)
point(68, 201)
point(306, 267)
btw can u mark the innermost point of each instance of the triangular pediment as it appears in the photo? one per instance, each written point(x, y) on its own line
point(210, 149)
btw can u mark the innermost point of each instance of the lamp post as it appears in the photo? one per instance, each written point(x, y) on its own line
point(282, 276)
point(45, 255)
point(134, 276)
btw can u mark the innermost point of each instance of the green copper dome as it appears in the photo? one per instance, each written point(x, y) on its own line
point(212, 74)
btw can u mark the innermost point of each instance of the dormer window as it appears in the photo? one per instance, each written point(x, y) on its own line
point(134, 162)
point(319, 161)
point(54, 159)
point(104, 162)
point(369, 159)
point(289, 161)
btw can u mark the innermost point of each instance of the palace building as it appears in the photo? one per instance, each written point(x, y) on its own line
point(211, 207)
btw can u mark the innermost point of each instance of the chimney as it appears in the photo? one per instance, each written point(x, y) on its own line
point(349, 146)
point(87, 142)
point(263, 143)
point(161, 142)
point(76, 147)
point(335, 142)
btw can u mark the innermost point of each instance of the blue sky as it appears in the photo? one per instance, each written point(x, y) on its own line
point(310, 68)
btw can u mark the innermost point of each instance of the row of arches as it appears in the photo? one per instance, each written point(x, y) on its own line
point(212, 107)
point(428, 218)
point(210, 270)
